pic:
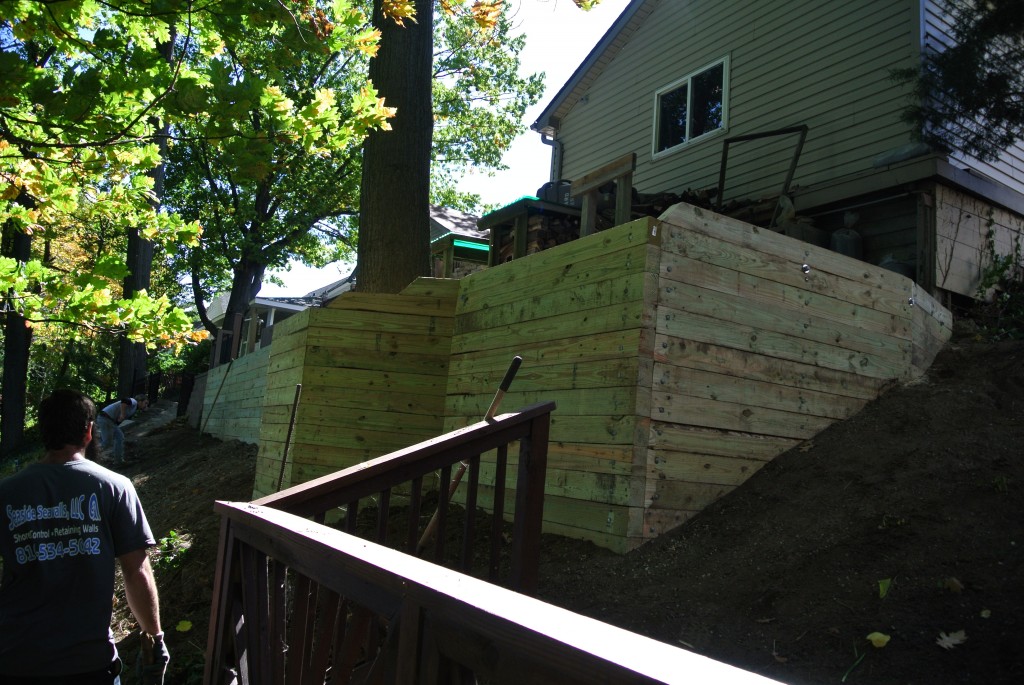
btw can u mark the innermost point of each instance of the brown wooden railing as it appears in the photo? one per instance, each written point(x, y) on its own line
point(297, 602)
point(277, 620)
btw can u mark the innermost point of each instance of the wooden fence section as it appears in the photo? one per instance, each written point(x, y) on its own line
point(968, 234)
point(232, 399)
point(683, 354)
point(373, 371)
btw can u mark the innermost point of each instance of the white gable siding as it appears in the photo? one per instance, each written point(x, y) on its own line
point(823, 63)
point(1009, 168)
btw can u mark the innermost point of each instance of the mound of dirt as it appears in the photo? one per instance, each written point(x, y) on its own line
point(905, 520)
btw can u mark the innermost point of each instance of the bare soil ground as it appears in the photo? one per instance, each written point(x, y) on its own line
point(907, 520)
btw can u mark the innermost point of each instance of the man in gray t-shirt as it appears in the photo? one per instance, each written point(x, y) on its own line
point(63, 522)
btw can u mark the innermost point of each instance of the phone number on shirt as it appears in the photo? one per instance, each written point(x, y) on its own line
point(45, 551)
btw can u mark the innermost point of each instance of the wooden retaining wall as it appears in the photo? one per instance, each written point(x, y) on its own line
point(232, 398)
point(373, 370)
point(683, 354)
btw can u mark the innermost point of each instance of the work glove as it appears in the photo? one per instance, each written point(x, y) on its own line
point(153, 658)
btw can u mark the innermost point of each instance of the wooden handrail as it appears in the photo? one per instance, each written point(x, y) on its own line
point(278, 610)
point(449, 621)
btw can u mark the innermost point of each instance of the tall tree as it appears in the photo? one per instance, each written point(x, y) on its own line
point(970, 94)
point(394, 236)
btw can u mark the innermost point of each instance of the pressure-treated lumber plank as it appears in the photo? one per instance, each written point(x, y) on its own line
point(780, 297)
point(558, 264)
point(672, 465)
point(762, 367)
point(735, 309)
point(878, 288)
point(578, 300)
point(672, 381)
point(718, 441)
point(595, 321)
point(739, 336)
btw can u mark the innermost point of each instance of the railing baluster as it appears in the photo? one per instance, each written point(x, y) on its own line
point(383, 512)
point(253, 617)
point(327, 609)
point(300, 630)
point(442, 513)
point(469, 530)
point(220, 610)
point(498, 513)
point(415, 499)
point(533, 452)
point(351, 516)
point(278, 619)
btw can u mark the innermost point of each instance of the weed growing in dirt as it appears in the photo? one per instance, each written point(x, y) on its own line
point(171, 551)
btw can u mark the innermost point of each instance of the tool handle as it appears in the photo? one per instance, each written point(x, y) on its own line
point(503, 387)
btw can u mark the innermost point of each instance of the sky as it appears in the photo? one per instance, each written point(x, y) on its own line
point(558, 38)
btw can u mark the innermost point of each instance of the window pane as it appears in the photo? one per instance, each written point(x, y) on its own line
point(707, 101)
point(672, 118)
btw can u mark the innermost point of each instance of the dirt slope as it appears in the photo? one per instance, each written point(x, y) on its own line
point(922, 491)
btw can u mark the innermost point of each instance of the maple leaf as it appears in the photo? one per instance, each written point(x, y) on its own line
point(398, 11)
point(951, 640)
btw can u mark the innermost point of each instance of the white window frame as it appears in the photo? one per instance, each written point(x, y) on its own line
point(688, 82)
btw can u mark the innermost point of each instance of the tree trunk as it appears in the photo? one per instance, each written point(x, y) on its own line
point(394, 214)
point(131, 371)
point(245, 285)
point(17, 341)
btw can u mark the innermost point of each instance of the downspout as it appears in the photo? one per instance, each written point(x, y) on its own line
point(556, 156)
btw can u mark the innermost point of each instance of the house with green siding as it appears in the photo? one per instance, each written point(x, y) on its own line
point(755, 99)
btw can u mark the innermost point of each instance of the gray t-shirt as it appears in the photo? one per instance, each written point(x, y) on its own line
point(61, 528)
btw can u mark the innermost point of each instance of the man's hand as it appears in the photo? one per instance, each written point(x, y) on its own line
point(151, 665)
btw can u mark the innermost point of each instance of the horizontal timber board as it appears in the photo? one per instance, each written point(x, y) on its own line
point(546, 265)
point(657, 522)
point(732, 416)
point(719, 442)
point(734, 309)
point(559, 283)
point(761, 367)
point(670, 380)
point(788, 272)
point(377, 442)
point(576, 402)
point(380, 341)
point(887, 285)
point(612, 344)
point(680, 324)
point(636, 288)
point(595, 373)
point(595, 487)
point(326, 415)
point(596, 516)
point(676, 495)
point(382, 361)
point(781, 298)
point(372, 321)
point(372, 381)
point(667, 464)
point(417, 305)
point(400, 401)
point(434, 287)
point(539, 331)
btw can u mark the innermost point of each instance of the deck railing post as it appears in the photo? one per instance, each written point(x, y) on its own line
point(529, 516)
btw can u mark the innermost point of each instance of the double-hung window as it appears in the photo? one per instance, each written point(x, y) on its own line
point(694, 106)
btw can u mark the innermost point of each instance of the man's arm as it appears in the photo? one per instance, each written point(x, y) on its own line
point(123, 410)
point(140, 589)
